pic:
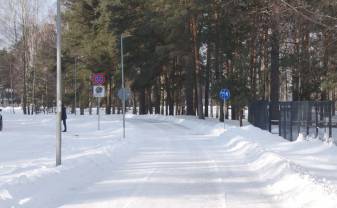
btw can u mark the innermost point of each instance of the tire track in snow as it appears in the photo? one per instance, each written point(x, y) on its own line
point(199, 154)
point(193, 149)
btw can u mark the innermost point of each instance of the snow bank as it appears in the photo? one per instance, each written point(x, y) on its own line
point(292, 179)
point(27, 160)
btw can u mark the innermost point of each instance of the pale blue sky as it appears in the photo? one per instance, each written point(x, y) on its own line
point(47, 6)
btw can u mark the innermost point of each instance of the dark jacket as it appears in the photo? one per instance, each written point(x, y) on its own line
point(64, 113)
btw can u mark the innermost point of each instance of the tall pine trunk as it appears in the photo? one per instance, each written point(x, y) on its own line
point(109, 99)
point(142, 101)
point(197, 66)
point(207, 78)
point(274, 55)
point(156, 94)
point(189, 87)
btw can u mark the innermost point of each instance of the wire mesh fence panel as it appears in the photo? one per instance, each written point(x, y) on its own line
point(285, 120)
point(258, 114)
point(293, 118)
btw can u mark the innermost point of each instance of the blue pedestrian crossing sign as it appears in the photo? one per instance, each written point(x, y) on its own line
point(225, 94)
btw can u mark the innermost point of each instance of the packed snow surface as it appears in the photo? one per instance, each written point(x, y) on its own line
point(164, 162)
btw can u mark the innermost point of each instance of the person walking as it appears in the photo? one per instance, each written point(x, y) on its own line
point(0, 120)
point(64, 118)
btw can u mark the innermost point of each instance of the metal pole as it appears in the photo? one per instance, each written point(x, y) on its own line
point(224, 116)
point(123, 85)
point(98, 113)
point(330, 120)
point(58, 86)
point(316, 118)
point(75, 77)
point(291, 120)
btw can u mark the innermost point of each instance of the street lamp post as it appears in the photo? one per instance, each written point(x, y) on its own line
point(75, 83)
point(58, 86)
point(123, 85)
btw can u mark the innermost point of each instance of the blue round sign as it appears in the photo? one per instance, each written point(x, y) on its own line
point(225, 94)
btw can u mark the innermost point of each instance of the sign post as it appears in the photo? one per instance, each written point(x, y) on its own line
point(98, 114)
point(98, 92)
point(225, 96)
point(98, 80)
point(123, 95)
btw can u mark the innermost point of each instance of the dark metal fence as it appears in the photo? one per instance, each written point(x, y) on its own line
point(258, 114)
point(292, 118)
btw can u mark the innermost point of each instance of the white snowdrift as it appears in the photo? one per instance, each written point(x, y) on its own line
point(292, 171)
point(298, 174)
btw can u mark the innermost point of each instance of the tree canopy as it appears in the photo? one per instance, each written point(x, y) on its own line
point(180, 53)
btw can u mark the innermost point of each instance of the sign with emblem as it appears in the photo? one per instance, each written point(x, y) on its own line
point(98, 79)
point(99, 91)
point(123, 93)
point(225, 94)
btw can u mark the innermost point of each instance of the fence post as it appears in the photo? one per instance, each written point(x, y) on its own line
point(316, 121)
point(270, 104)
point(330, 120)
point(299, 118)
point(286, 120)
point(291, 121)
point(308, 116)
point(280, 119)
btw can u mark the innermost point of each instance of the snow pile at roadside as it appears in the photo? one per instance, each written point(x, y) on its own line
point(286, 180)
point(75, 172)
point(27, 160)
point(293, 171)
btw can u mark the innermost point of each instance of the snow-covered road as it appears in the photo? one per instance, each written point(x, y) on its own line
point(163, 162)
point(175, 167)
